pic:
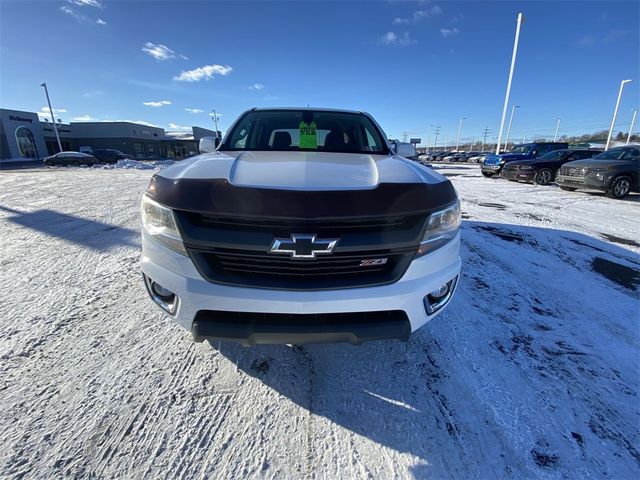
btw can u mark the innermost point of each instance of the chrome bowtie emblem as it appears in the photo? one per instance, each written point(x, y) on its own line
point(302, 245)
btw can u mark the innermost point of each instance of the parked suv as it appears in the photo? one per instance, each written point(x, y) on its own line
point(542, 170)
point(493, 164)
point(615, 172)
point(108, 155)
point(303, 226)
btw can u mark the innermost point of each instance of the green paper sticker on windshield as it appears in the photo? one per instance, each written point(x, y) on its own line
point(308, 135)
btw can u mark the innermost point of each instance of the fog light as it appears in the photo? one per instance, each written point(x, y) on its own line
point(438, 298)
point(164, 298)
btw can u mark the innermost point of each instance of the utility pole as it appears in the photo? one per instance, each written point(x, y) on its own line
point(485, 132)
point(513, 109)
point(555, 136)
point(53, 120)
point(459, 129)
point(435, 142)
point(506, 97)
point(615, 113)
point(633, 120)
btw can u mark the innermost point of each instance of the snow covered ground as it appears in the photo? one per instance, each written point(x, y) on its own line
point(532, 372)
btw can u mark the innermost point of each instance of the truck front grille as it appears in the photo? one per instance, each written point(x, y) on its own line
point(573, 171)
point(371, 251)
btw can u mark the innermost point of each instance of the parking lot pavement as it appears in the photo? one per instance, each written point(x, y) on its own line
point(532, 371)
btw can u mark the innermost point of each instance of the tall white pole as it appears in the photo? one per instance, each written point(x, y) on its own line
point(524, 135)
point(53, 120)
point(633, 120)
point(555, 135)
point(506, 97)
point(615, 113)
point(459, 129)
point(513, 109)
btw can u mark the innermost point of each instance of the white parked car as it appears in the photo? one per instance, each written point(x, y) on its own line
point(304, 225)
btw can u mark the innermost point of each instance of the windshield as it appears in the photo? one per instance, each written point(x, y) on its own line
point(554, 155)
point(520, 149)
point(613, 154)
point(305, 130)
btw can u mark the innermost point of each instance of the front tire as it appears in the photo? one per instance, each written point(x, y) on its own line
point(487, 174)
point(620, 188)
point(543, 177)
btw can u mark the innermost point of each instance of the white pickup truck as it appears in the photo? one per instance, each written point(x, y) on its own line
point(301, 226)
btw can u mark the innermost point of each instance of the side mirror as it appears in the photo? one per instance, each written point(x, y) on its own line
point(208, 144)
point(406, 150)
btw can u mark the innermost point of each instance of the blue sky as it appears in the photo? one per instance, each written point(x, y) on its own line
point(410, 64)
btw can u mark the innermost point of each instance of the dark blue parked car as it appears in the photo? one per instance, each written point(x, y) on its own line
point(493, 164)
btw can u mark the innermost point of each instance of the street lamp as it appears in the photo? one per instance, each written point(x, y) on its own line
point(557, 127)
point(459, 129)
point(633, 120)
point(615, 113)
point(513, 109)
point(53, 120)
point(513, 65)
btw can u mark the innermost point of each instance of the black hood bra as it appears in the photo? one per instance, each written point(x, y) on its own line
point(219, 197)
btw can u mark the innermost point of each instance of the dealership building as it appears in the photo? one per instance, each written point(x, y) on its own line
point(24, 136)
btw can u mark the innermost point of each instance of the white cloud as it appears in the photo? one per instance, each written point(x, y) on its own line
point(205, 72)
point(194, 110)
point(392, 39)
point(256, 86)
point(158, 51)
point(71, 12)
point(159, 103)
point(447, 32)
point(84, 118)
point(87, 3)
point(174, 126)
point(101, 22)
point(418, 15)
point(44, 113)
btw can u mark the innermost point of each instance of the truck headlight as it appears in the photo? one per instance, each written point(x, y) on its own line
point(442, 227)
point(160, 223)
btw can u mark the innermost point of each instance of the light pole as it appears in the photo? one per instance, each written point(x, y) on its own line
point(459, 130)
point(633, 120)
point(513, 109)
point(215, 120)
point(506, 97)
point(53, 120)
point(615, 113)
point(524, 135)
point(555, 135)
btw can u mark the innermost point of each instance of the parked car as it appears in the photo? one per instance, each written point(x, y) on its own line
point(108, 155)
point(479, 157)
point(237, 243)
point(542, 170)
point(440, 156)
point(615, 172)
point(70, 158)
point(493, 164)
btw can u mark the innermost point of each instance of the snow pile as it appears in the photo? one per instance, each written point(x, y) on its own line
point(138, 165)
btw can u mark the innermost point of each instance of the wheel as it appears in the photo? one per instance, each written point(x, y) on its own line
point(487, 174)
point(568, 189)
point(543, 177)
point(620, 188)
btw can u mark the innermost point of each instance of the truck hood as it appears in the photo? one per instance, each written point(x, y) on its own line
point(302, 170)
point(595, 163)
point(507, 157)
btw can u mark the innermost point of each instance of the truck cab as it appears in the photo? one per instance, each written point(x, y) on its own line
point(493, 164)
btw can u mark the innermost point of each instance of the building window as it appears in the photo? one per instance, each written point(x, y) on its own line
point(26, 143)
point(139, 149)
point(151, 150)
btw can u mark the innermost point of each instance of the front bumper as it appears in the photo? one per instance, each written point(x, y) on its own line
point(200, 300)
point(591, 181)
point(495, 169)
point(518, 175)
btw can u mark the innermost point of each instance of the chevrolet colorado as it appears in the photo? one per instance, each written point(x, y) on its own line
point(303, 225)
